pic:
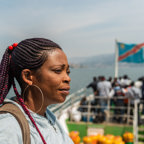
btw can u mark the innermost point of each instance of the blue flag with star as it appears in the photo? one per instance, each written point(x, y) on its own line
point(131, 53)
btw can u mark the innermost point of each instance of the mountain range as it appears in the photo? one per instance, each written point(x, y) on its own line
point(105, 59)
point(98, 60)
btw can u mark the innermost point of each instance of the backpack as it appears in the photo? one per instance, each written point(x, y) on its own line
point(8, 107)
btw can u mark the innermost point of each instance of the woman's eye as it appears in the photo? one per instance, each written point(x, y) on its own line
point(58, 71)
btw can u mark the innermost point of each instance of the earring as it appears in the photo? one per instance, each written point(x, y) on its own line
point(40, 92)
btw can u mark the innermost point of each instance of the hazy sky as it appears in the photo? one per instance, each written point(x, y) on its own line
point(80, 27)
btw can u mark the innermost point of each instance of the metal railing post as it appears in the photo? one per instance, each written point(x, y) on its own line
point(89, 110)
point(128, 111)
point(108, 110)
point(135, 122)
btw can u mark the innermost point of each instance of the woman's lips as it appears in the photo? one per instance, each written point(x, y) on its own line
point(64, 91)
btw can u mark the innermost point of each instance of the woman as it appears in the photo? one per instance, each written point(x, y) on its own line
point(42, 71)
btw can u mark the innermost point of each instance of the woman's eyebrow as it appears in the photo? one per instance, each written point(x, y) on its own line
point(59, 65)
point(63, 66)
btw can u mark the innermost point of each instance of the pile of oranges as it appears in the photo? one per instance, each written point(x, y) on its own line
point(101, 139)
point(128, 137)
point(74, 135)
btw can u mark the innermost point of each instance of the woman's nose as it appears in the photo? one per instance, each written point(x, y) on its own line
point(67, 78)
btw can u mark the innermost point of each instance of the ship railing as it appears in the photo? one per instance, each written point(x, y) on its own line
point(109, 110)
point(74, 99)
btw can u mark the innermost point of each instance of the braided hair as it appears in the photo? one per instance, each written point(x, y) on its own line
point(28, 54)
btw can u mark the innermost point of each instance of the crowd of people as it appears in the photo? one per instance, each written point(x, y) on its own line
point(119, 90)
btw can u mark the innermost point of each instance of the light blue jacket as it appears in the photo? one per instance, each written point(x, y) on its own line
point(10, 131)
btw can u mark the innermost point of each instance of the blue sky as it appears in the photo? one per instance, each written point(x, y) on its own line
point(81, 27)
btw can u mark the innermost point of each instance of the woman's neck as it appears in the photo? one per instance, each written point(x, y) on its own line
point(35, 102)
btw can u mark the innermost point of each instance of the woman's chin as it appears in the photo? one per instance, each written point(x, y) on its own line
point(61, 99)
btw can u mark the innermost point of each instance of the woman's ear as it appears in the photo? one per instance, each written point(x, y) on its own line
point(27, 76)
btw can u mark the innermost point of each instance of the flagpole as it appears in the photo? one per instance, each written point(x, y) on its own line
point(116, 59)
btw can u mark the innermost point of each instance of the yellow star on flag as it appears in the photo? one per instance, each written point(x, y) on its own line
point(122, 46)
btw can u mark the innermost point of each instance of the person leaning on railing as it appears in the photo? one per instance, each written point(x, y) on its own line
point(93, 85)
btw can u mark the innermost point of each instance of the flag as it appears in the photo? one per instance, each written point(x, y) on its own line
point(131, 53)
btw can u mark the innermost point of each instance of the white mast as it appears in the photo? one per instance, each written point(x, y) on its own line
point(116, 59)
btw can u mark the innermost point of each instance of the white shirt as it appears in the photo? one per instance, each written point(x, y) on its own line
point(138, 84)
point(104, 88)
point(133, 93)
point(125, 82)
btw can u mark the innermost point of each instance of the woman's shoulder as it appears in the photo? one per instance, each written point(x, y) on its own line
point(9, 122)
point(10, 131)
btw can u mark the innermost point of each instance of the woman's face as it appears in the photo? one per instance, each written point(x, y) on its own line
point(53, 77)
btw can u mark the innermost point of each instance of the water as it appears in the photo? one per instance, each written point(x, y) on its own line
point(81, 77)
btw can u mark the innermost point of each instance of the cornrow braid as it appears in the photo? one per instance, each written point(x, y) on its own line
point(28, 54)
point(5, 82)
